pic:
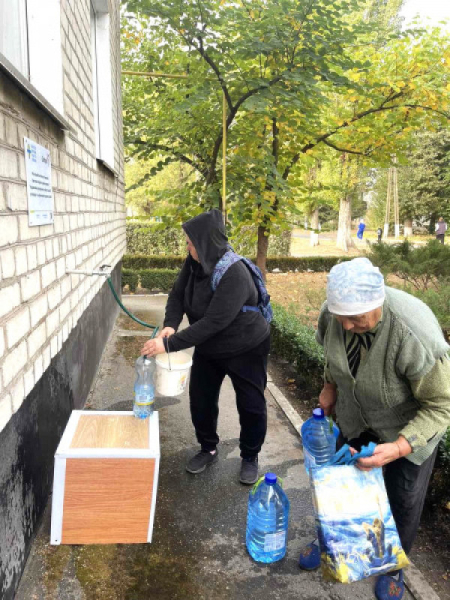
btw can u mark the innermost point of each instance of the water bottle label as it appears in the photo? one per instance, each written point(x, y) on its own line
point(143, 402)
point(274, 541)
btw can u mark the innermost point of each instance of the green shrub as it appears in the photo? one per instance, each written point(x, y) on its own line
point(284, 263)
point(130, 278)
point(424, 267)
point(154, 239)
point(150, 238)
point(295, 342)
point(143, 261)
point(157, 279)
point(439, 492)
point(245, 242)
point(439, 301)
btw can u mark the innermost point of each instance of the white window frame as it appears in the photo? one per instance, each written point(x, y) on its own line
point(20, 60)
point(45, 54)
point(42, 77)
point(102, 82)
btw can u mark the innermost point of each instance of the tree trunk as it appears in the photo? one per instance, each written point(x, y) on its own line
point(407, 227)
point(315, 219)
point(263, 245)
point(314, 237)
point(344, 236)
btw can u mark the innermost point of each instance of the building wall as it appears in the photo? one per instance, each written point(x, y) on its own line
point(53, 326)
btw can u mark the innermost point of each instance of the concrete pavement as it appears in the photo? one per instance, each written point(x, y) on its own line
point(198, 548)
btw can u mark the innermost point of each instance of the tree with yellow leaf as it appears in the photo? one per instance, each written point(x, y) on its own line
point(299, 80)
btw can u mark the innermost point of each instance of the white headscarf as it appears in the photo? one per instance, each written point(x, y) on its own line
point(354, 287)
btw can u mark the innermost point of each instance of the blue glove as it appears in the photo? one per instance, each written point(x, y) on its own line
point(344, 457)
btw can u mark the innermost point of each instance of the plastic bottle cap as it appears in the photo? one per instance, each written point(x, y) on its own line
point(318, 413)
point(270, 478)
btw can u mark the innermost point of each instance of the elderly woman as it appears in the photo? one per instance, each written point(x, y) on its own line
point(387, 378)
point(230, 336)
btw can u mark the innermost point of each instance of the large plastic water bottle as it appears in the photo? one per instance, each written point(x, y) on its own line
point(267, 520)
point(319, 442)
point(144, 388)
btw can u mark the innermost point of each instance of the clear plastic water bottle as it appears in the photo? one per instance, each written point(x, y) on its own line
point(144, 387)
point(319, 442)
point(267, 520)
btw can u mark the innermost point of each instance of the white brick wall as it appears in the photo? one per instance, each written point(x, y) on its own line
point(14, 362)
point(17, 326)
point(30, 285)
point(9, 298)
point(8, 263)
point(39, 303)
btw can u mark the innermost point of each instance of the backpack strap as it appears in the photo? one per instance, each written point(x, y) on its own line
point(222, 266)
point(263, 302)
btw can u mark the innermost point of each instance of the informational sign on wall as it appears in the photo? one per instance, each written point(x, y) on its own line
point(39, 183)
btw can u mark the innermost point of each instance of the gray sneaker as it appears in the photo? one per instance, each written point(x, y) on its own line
point(200, 461)
point(249, 471)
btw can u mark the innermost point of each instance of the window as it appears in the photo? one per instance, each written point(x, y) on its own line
point(30, 39)
point(101, 81)
point(13, 34)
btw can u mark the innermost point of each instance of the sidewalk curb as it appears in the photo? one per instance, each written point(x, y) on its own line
point(414, 580)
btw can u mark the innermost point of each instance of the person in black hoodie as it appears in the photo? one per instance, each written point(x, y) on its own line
point(227, 341)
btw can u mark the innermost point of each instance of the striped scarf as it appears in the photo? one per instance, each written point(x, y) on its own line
point(353, 347)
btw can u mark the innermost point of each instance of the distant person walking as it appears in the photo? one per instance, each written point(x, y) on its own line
point(379, 234)
point(441, 228)
point(361, 228)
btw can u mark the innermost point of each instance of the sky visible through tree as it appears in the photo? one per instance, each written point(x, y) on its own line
point(430, 11)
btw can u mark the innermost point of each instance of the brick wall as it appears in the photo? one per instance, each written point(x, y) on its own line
point(39, 303)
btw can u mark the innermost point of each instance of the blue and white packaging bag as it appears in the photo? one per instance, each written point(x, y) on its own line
point(356, 530)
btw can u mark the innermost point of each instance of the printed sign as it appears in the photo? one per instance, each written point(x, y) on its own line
point(39, 183)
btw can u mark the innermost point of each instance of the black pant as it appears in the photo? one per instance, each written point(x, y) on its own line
point(440, 237)
point(406, 487)
point(248, 374)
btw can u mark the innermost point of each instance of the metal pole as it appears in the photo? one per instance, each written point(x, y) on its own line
point(396, 207)
point(388, 204)
point(224, 157)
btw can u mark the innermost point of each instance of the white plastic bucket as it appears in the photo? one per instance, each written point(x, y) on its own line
point(172, 372)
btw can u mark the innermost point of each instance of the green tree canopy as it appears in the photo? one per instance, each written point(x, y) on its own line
point(298, 79)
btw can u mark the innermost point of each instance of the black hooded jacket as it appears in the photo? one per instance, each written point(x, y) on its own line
point(218, 327)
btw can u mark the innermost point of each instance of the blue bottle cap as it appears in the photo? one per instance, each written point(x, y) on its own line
point(270, 478)
point(318, 413)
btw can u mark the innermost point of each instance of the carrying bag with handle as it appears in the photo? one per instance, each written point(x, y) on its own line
point(356, 530)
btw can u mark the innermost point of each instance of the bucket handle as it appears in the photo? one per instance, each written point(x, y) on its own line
point(168, 354)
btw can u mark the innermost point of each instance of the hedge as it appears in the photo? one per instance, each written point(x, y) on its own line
point(148, 237)
point(154, 239)
point(160, 280)
point(296, 343)
point(283, 263)
point(157, 279)
point(143, 261)
point(130, 278)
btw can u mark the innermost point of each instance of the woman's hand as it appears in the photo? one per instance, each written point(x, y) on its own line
point(384, 454)
point(327, 398)
point(166, 332)
point(152, 347)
